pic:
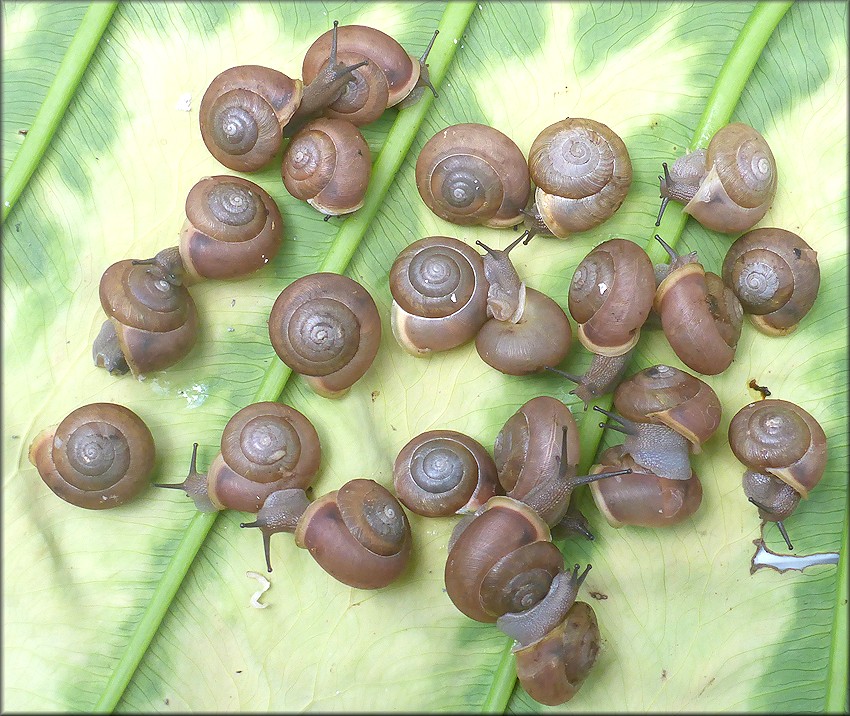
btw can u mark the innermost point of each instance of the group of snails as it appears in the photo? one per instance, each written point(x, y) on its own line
point(502, 566)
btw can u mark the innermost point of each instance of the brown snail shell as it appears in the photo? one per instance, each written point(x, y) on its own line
point(242, 114)
point(233, 227)
point(582, 172)
point(326, 326)
point(671, 397)
point(152, 322)
point(642, 498)
point(473, 174)
point(100, 456)
point(441, 472)
point(508, 539)
point(400, 70)
point(439, 295)
point(701, 317)
point(265, 447)
point(358, 534)
point(776, 277)
point(327, 164)
point(611, 295)
point(729, 186)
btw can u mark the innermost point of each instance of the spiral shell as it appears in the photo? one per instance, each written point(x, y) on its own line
point(701, 318)
point(441, 472)
point(326, 326)
point(582, 171)
point(153, 321)
point(365, 95)
point(233, 227)
point(265, 447)
point(473, 174)
point(100, 456)
point(781, 439)
point(503, 561)
point(439, 295)
point(776, 277)
point(611, 295)
point(400, 70)
point(358, 534)
point(327, 164)
point(242, 114)
point(671, 397)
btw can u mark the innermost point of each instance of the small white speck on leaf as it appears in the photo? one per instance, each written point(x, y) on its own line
point(265, 585)
point(455, 41)
point(184, 102)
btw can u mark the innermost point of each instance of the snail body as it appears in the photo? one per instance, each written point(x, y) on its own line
point(327, 164)
point(727, 187)
point(700, 316)
point(441, 472)
point(473, 174)
point(582, 172)
point(100, 456)
point(359, 534)
point(152, 321)
point(784, 450)
point(439, 295)
point(265, 447)
point(528, 330)
point(326, 327)
point(775, 275)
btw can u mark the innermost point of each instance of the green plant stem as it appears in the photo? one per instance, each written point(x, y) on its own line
point(724, 97)
point(836, 684)
point(351, 233)
point(46, 121)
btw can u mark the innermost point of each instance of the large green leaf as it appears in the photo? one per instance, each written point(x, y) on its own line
point(685, 625)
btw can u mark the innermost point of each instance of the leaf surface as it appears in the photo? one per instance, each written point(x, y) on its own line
point(685, 625)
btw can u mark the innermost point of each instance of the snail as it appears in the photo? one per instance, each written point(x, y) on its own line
point(391, 73)
point(502, 567)
point(232, 228)
point(326, 327)
point(439, 295)
point(665, 413)
point(642, 498)
point(152, 320)
point(327, 164)
point(265, 447)
point(775, 275)
point(784, 450)
point(473, 174)
point(441, 472)
point(247, 110)
point(582, 172)
point(100, 456)
point(537, 453)
point(701, 317)
point(528, 330)
point(611, 295)
point(359, 534)
point(727, 187)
